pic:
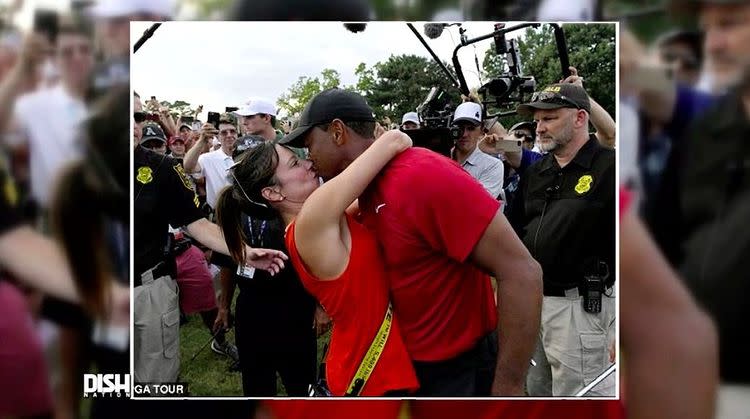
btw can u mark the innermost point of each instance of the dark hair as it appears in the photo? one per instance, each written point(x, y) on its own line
point(256, 170)
point(365, 129)
point(92, 191)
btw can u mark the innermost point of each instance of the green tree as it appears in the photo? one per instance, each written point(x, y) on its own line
point(295, 99)
point(591, 49)
point(401, 83)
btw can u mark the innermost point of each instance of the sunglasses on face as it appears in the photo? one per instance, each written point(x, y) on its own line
point(153, 145)
point(521, 136)
point(686, 61)
point(552, 97)
point(226, 132)
point(68, 52)
point(466, 128)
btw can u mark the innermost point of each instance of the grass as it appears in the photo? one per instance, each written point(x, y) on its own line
point(208, 374)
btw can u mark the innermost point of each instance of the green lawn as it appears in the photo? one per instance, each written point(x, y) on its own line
point(208, 374)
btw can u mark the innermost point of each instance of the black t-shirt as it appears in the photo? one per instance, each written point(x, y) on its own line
point(712, 233)
point(163, 196)
point(283, 294)
point(566, 216)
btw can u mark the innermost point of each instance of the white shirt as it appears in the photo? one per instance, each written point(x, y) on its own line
point(214, 167)
point(488, 170)
point(49, 120)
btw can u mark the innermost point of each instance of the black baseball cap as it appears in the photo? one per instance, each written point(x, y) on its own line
point(556, 96)
point(152, 132)
point(325, 107)
point(691, 7)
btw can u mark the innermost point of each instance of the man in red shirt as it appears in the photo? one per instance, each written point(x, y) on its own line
point(441, 233)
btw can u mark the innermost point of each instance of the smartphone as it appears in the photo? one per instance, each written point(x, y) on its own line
point(509, 146)
point(231, 109)
point(187, 119)
point(213, 118)
point(46, 22)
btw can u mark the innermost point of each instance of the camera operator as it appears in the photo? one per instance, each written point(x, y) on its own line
point(565, 215)
point(487, 170)
point(410, 120)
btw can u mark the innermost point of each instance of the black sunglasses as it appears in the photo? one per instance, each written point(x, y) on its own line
point(553, 97)
point(521, 136)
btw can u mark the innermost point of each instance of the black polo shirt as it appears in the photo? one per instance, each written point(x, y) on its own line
point(713, 226)
point(566, 216)
point(163, 197)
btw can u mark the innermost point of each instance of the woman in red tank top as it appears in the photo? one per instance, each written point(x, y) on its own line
point(338, 259)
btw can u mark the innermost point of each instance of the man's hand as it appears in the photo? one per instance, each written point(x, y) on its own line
point(499, 390)
point(379, 130)
point(490, 144)
point(119, 309)
point(321, 321)
point(269, 260)
point(222, 321)
point(207, 132)
point(573, 78)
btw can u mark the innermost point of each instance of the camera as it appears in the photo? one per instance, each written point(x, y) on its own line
point(511, 86)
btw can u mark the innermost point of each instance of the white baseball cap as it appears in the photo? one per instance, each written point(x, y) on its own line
point(105, 9)
point(410, 117)
point(468, 111)
point(255, 106)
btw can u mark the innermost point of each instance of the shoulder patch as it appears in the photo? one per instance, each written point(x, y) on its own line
point(584, 184)
point(145, 175)
point(183, 176)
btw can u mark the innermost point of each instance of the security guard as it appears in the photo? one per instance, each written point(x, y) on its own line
point(163, 197)
point(565, 215)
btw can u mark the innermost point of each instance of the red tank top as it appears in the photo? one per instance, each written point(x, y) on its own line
point(357, 301)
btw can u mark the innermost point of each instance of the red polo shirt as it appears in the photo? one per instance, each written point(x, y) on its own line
point(428, 214)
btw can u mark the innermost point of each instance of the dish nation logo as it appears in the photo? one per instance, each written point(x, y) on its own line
point(106, 385)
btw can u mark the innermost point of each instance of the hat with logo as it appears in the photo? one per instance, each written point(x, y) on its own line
point(556, 96)
point(410, 117)
point(152, 132)
point(468, 112)
point(325, 107)
point(255, 106)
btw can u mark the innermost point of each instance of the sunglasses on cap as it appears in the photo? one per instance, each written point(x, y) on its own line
point(143, 116)
point(552, 97)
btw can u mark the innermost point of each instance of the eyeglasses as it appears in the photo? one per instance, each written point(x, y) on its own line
point(80, 49)
point(687, 61)
point(553, 97)
point(226, 132)
point(154, 145)
point(521, 136)
point(466, 128)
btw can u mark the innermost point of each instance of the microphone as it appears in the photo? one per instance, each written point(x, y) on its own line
point(355, 27)
point(434, 30)
point(501, 47)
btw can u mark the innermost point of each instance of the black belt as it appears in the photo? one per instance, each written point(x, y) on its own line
point(562, 291)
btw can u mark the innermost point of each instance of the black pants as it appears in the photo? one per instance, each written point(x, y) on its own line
point(267, 346)
point(469, 374)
